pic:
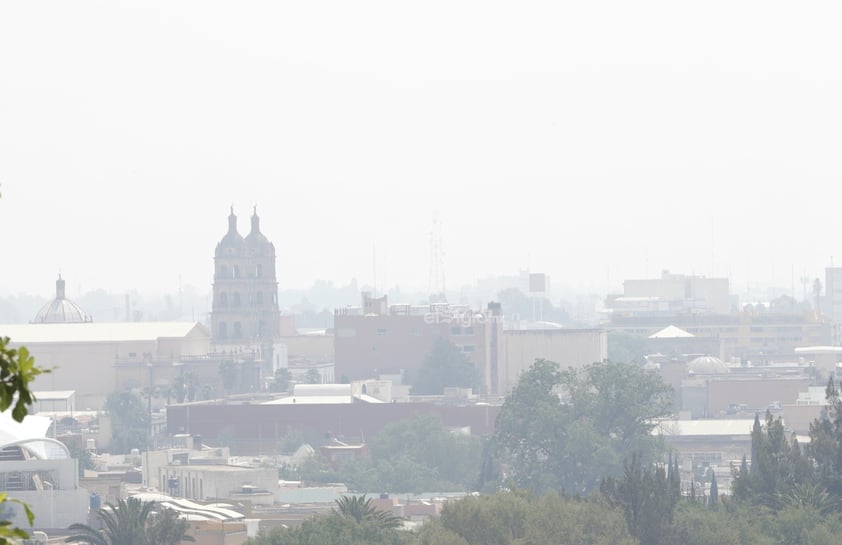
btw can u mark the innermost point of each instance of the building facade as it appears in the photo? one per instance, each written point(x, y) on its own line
point(245, 289)
point(377, 339)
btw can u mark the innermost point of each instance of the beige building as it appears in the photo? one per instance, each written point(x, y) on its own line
point(377, 339)
point(83, 356)
point(567, 347)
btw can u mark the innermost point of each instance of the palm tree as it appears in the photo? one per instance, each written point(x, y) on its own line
point(124, 524)
point(361, 509)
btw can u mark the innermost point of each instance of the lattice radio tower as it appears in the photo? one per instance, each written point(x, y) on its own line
point(436, 287)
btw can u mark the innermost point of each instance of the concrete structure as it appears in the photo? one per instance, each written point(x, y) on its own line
point(568, 347)
point(377, 339)
point(39, 471)
point(83, 356)
point(217, 481)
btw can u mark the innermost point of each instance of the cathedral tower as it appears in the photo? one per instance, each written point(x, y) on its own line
point(245, 289)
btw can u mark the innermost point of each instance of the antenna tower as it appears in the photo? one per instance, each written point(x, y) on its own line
point(436, 287)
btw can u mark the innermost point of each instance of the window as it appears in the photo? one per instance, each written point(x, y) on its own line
point(223, 300)
point(223, 271)
point(258, 298)
point(468, 348)
point(236, 271)
point(222, 330)
point(381, 331)
point(258, 271)
point(238, 330)
point(236, 299)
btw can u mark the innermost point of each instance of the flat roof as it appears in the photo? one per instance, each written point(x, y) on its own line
point(53, 395)
point(706, 427)
point(100, 332)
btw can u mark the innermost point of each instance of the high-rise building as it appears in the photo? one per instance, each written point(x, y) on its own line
point(245, 289)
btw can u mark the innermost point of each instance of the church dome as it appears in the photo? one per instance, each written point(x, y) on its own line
point(60, 310)
point(707, 365)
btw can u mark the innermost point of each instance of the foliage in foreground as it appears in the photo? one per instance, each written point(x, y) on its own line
point(17, 371)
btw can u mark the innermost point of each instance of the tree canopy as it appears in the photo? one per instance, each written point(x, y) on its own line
point(565, 430)
point(446, 365)
point(129, 421)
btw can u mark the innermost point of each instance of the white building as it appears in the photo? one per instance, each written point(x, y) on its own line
point(39, 471)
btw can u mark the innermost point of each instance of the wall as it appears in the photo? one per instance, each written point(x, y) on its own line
point(757, 393)
point(567, 347)
point(249, 429)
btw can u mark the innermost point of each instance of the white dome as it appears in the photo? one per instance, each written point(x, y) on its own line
point(60, 310)
point(707, 365)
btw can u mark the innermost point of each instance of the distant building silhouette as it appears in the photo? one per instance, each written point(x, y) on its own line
point(245, 289)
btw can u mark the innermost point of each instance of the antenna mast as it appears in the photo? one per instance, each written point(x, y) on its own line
point(436, 286)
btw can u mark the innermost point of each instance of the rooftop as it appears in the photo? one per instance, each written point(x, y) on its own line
point(101, 332)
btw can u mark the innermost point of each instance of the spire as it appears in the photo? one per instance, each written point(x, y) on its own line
point(60, 287)
point(232, 221)
point(255, 221)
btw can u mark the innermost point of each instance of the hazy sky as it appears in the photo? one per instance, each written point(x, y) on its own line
point(590, 140)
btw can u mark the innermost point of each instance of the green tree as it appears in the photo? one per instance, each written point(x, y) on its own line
point(499, 519)
point(826, 442)
point(556, 519)
point(334, 529)
point(433, 533)
point(129, 422)
point(626, 347)
point(165, 527)
point(123, 524)
point(644, 495)
point(695, 524)
point(313, 377)
point(281, 381)
point(713, 497)
point(446, 365)
point(777, 465)
point(566, 430)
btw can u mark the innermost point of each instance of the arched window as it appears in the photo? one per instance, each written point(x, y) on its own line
point(258, 270)
point(223, 299)
point(261, 329)
point(236, 271)
point(236, 302)
point(238, 330)
point(222, 330)
point(223, 271)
